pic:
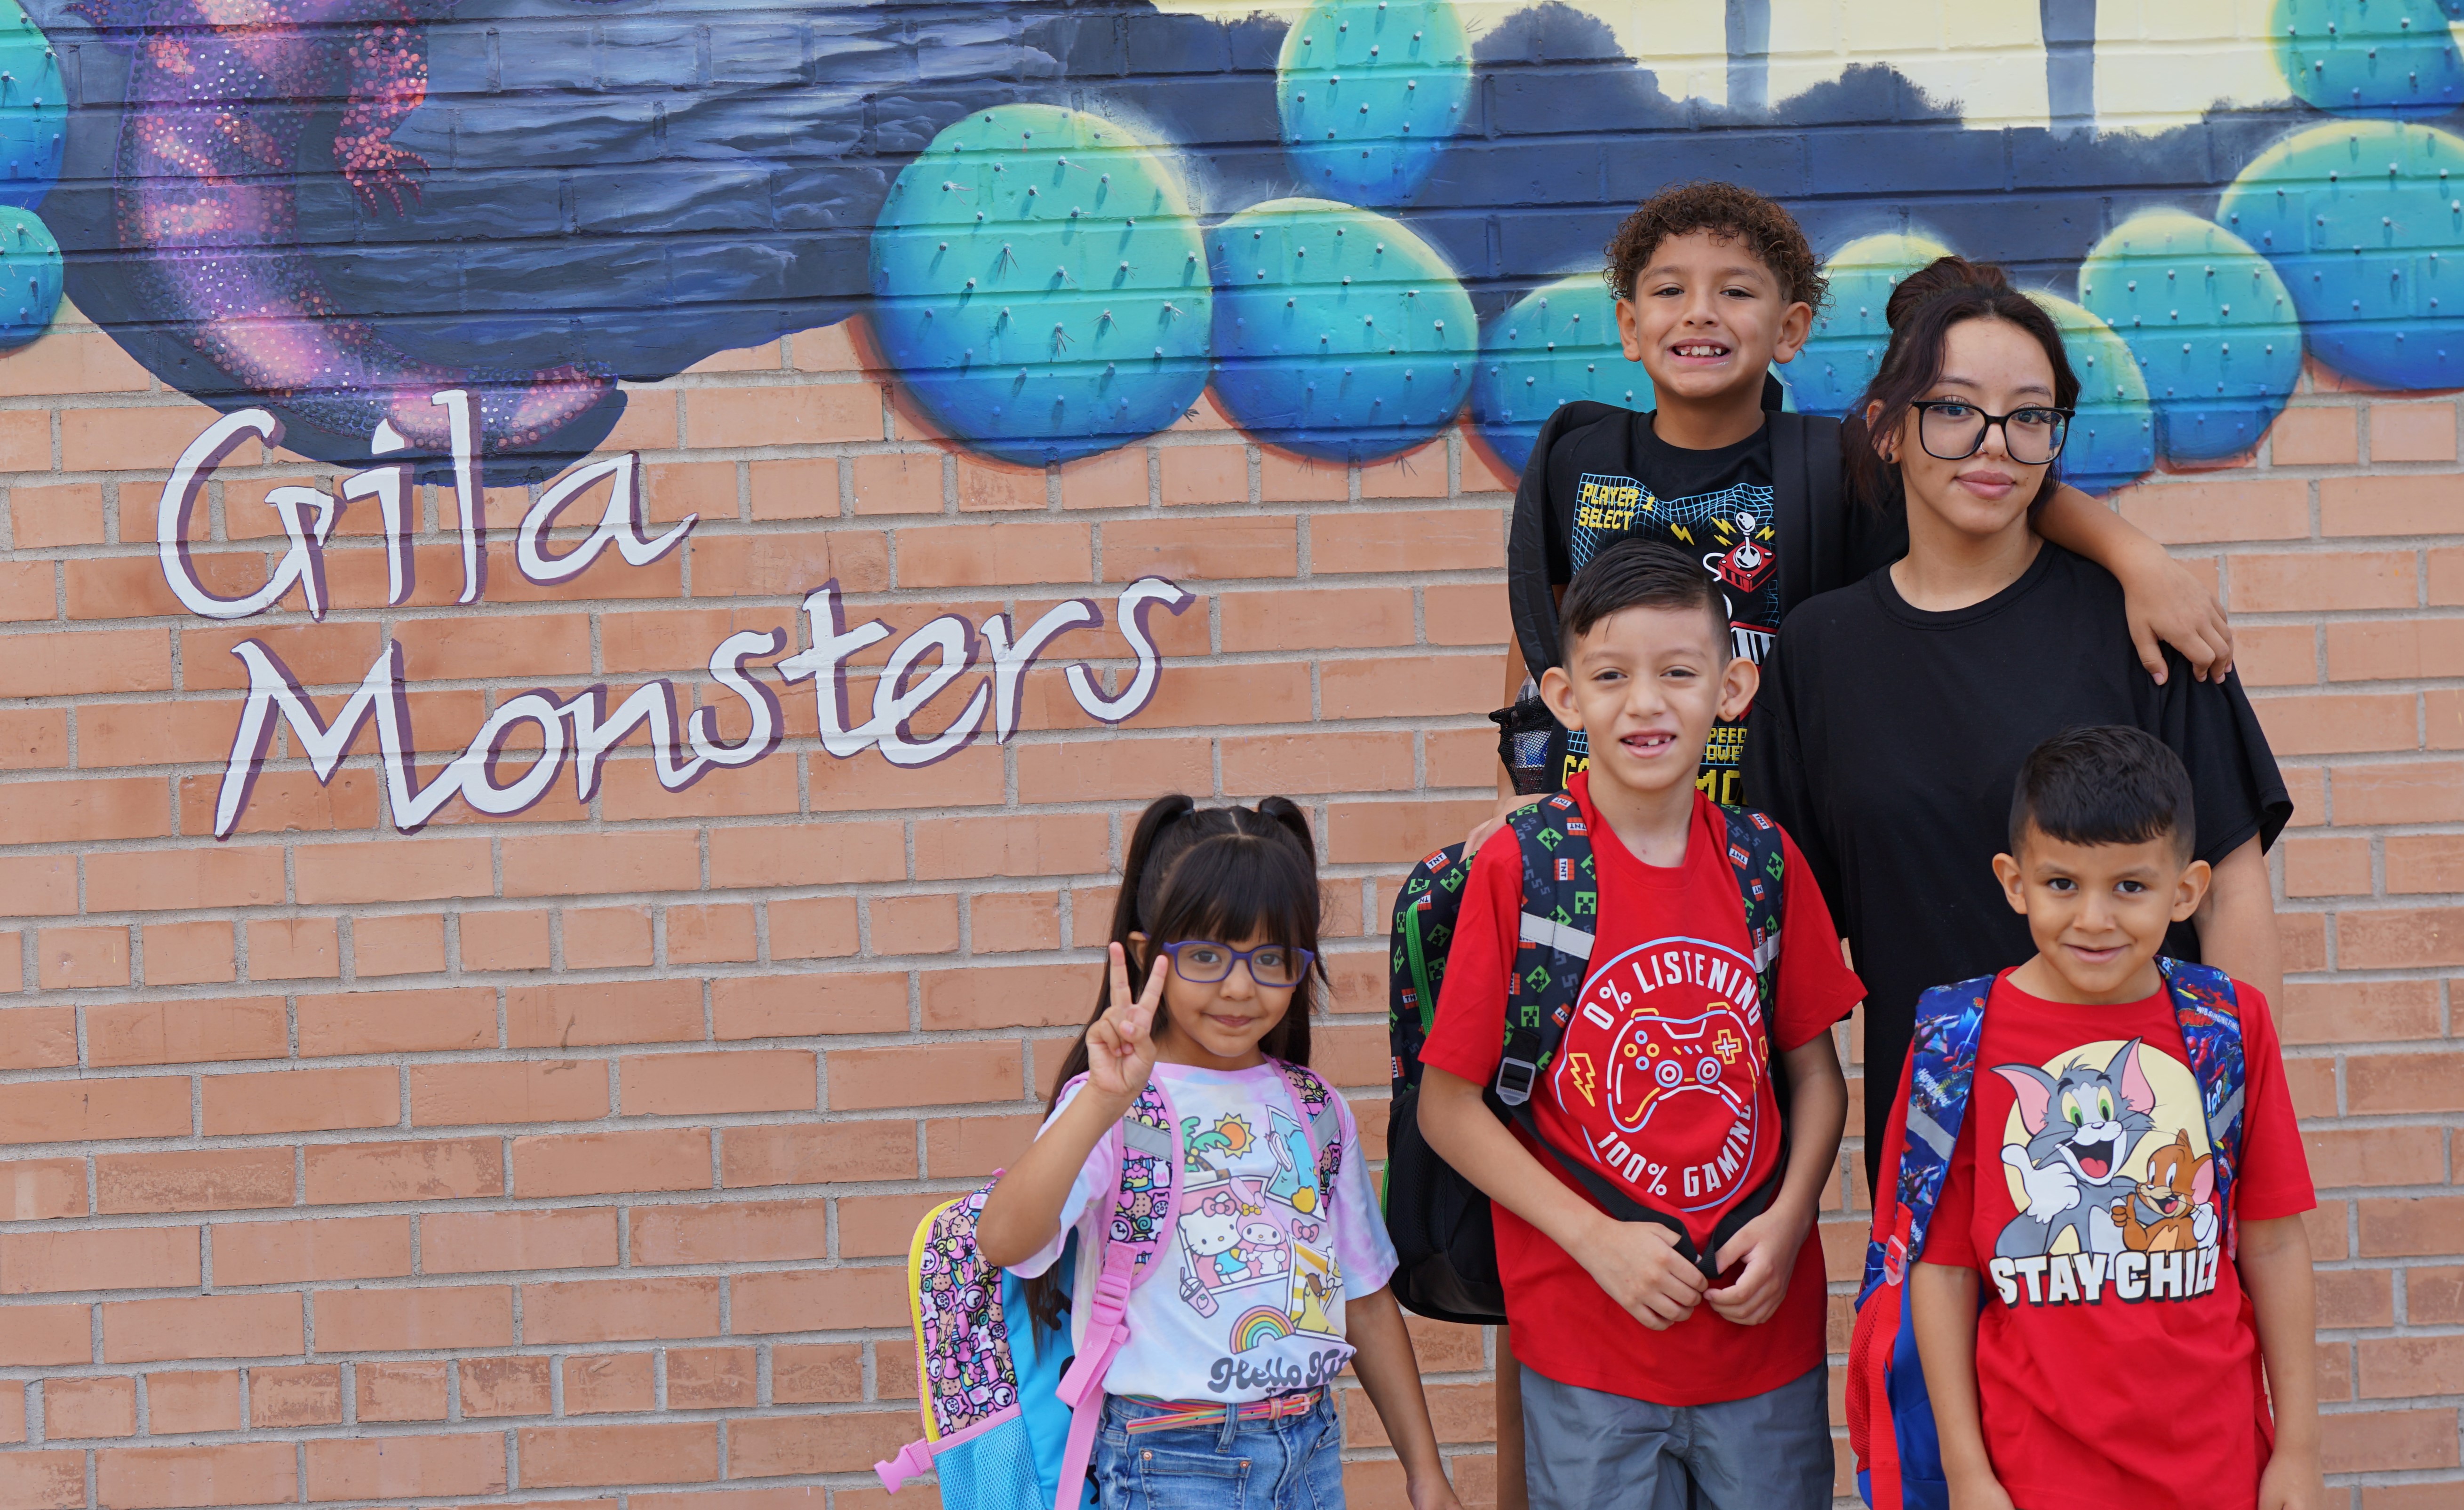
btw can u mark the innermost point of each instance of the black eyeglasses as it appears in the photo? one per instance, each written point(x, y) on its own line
point(1202, 962)
point(1951, 430)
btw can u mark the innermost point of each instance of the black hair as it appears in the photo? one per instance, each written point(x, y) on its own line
point(1730, 213)
point(1225, 873)
point(1947, 292)
point(2104, 786)
point(1639, 573)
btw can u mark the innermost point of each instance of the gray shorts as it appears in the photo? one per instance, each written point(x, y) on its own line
point(1586, 1449)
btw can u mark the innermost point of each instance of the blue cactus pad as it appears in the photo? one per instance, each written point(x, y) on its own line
point(1040, 285)
point(2211, 325)
point(1338, 333)
point(2113, 436)
point(34, 111)
point(29, 277)
point(1368, 91)
point(2364, 222)
point(1849, 335)
point(1558, 343)
point(2379, 57)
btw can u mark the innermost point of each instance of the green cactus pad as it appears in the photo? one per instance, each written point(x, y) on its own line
point(1040, 285)
point(2211, 325)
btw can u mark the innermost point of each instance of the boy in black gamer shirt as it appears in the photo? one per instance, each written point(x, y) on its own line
point(1895, 713)
point(2118, 1354)
point(1639, 1379)
point(1714, 283)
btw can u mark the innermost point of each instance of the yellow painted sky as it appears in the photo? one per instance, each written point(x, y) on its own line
point(2159, 62)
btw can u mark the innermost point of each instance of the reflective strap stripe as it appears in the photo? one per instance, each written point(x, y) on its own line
point(1766, 952)
point(1153, 1142)
point(1921, 1124)
point(1549, 933)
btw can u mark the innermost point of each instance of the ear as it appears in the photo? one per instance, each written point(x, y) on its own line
point(1557, 690)
point(2203, 1183)
point(1795, 324)
point(2125, 1071)
point(1737, 687)
point(2034, 1090)
point(2192, 890)
point(1629, 327)
point(1886, 445)
point(2006, 869)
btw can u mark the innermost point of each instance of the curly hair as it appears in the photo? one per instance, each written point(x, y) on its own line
point(1729, 213)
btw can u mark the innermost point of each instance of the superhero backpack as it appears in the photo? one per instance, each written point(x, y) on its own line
point(1890, 1413)
point(1441, 1225)
point(1009, 1416)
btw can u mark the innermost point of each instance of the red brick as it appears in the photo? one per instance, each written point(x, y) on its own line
point(35, 738)
point(2410, 1226)
point(189, 954)
point(393, 870)
point(1084, 771)
point(2389, 1439)
point(2383, 650)
point(983, 485)
point(807, 854)
point(192, 1180)
point(711, 1378)
point(427, 1168)
point(2348, 1156)
point(605, 1163)
point(34, 1190)
point(204, 1326)
point(1202, 549)
point(979, 554)
point(881, 1226)
point(781, 564)
point(485, 1243)
point(1417, 473)
point(562, 865)
point(88, 1408)
point(769, 1446)
point(181, 1478)
point(787, 1006)
point(970, 778)
point(399, 1321)
point(813, 1300)
point(310, 1395)
point(2400, 939)
point(399, 1391)
point(497, 1387)
point(2428, 792)
point(37, 1335)
point(620, 1310)
point(901, 482)
point(311, 1252)
point(808, 487)
point(951, 1074)
point(302, 1101)
point(653, 1453)
point(399, 1466)
point(413, 945)
point(525, 1090)
point(122, 1259)
point(797, 414)
point(817, 1373)
point(2336, 723)
point(1204, 474)
point(973, 1147)
point(602, 1012)
point(1051, 845)
point(27, 591)
point(2302, 582)
point(2377, 1083)
point(69, 958)
point(201, 1400)
point(504, 940)
point(812, 1153)
point(1418, 688)
point(41, 886)
point(741, 1080)
point(188, 1031)
point(733, 1231)
point(602, 1384)
point(35, 1037)
point(1426, 540)
point(74, 663)
point(704, 935)
point(1390, 832)
point(2419, 863)
point(2321, 436)
point(94, 1110)
point(154, 733)
point(1003, 922)
point(804, 928)
point(397, 1022)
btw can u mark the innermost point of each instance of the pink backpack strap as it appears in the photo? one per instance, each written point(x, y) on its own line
point(1148, 1143)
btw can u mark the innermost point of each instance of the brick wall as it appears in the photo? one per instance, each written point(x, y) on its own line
point(571, 1156)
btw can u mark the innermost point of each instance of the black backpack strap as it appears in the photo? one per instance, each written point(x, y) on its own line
point(1528, 591)
point(1811, 507)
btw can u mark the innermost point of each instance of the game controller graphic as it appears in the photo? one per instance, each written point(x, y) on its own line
point(1655, 1063)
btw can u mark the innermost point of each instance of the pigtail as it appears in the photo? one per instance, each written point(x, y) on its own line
point(1283, 810)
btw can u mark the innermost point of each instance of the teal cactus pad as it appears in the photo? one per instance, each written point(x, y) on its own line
point(1557, 344)
point(2210, 323)
point(2377, 58)
point(1040, 285)
point(1369, 91)
point(1850, 334)
point(2113, 437)
point(1338, 333)
point(2364, 222)
point(34, 110)
point(29, 277)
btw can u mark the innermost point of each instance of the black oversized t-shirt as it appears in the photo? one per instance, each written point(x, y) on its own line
point(1616, 477)
point(1885, 739)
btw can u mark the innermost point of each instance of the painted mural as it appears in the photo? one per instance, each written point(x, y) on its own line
point(1058, 222)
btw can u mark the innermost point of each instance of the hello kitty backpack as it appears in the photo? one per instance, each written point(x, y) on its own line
point(1009, 1416)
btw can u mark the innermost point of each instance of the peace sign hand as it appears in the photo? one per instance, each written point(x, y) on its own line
point(1120, 1044)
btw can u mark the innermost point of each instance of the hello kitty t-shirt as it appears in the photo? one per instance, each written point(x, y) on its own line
point(1249, 1301)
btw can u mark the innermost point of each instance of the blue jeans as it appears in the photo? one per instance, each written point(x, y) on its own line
point(1292, 1464)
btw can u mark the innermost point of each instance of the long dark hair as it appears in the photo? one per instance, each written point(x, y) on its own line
point(1225, 873)
point(1948, 292)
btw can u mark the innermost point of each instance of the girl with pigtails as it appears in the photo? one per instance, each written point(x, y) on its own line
point(1276, 1268)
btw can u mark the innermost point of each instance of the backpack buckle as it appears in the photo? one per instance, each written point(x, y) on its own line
point(1514, 1080)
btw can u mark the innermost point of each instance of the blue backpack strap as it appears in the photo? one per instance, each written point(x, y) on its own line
point(1942, 1069)
point(2208, 1015)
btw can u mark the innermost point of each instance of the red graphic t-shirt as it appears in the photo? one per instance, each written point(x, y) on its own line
point(1662, 1081)
point(2115, 1358)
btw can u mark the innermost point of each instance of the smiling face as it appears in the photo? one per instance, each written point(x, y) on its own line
point(1995, 366)
point(1706, 319)
point(1646, 684)
point(2099, 913)
point(1218, 1025)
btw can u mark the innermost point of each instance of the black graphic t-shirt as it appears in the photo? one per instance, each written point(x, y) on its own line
point(1714, 504)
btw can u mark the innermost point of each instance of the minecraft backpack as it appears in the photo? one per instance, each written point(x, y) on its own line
point(1890, 1413)
point(1009, 1416)
point(1441, 1224)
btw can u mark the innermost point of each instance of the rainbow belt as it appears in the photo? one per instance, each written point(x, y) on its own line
point(1200, 1412)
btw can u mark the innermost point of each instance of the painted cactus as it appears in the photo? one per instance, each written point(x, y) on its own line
point(1369, 91)
point(1557, 344)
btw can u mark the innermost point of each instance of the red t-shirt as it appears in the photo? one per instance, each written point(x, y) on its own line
point(2117, 1362)
point(1662, 1082)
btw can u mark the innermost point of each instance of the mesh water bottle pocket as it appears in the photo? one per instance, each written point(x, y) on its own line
point(992, 1468)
